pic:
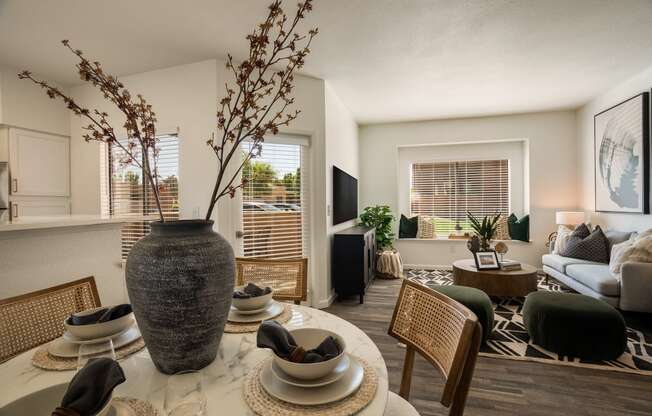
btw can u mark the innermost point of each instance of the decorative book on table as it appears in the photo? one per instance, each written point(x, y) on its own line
point(510, 265)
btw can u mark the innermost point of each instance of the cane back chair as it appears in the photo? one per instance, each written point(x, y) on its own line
point(445, 333)
point(288, 277)
point(35, 318)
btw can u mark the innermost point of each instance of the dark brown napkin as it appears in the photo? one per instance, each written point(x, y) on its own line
point(272, 335)
point(90, 388)
point(251, 291)
point(101, 315)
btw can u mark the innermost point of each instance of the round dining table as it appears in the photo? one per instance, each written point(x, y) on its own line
point(223, 379)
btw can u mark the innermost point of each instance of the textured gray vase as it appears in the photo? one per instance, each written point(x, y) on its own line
point(180, 281)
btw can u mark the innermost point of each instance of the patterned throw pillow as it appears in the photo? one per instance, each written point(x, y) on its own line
point(519, 229)
point(426, 227)
point(561, 241)
point(502, 229)
point(586, 245)
point(408, 227)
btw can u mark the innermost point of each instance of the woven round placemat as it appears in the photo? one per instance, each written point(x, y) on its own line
point(138, 407)
point(237, 328)
point(42, 359)
point(265, 405)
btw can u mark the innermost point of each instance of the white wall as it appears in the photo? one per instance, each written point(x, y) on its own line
point(186, 96)
point(24, 104)
point(551, 174)
point(635, 85)
point(342, 150)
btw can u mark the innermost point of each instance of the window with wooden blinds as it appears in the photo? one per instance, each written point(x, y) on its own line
point(126, 193)
point(275, 201)
point(446, 191)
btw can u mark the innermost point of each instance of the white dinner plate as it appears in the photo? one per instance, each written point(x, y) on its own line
point(333, 392)
point(62, 348)
point(270, 312)
point(43, 402)
point(335, 375)
point(67, 336)
point(252, 311)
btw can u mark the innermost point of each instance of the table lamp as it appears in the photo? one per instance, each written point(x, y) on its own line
point(570, 219)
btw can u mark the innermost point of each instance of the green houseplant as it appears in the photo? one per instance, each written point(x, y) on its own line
point(484, 229)
point(381, 218)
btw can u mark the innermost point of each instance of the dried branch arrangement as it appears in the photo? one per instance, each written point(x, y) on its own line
point(257, 105)
point(139, 147)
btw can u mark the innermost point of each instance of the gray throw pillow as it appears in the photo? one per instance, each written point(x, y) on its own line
point(616, 237)
point(586, 245)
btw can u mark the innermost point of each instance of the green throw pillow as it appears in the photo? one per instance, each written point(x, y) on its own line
point(408, 227)
point(519, 229)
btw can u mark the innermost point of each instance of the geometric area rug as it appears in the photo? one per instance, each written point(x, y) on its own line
point(510, 339)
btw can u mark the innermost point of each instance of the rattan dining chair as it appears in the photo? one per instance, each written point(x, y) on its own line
point(32, 319)
point(445, 333)
point(288, 277)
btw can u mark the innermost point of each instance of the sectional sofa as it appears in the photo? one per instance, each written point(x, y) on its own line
point(631, 292)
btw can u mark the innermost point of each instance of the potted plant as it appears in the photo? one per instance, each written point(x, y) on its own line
point(484, 229)
point(180, 277)
point(380, 217)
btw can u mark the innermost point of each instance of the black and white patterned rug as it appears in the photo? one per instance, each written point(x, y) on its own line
point(510, 338)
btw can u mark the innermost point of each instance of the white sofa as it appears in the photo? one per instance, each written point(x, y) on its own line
point(633, 292)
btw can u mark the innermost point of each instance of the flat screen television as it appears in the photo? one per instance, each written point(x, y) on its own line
point(345, 196)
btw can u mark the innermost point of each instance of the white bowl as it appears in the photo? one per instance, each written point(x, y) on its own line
point(102, 329)
point(250, 304)
point(310, 338)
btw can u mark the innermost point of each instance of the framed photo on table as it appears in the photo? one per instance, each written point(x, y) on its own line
point(486, 260)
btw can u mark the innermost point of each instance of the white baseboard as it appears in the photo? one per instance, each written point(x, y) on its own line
point(427, 266)
point(325, 303)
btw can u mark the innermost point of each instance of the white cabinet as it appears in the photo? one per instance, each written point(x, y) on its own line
point(39, 207)
point(39, 164)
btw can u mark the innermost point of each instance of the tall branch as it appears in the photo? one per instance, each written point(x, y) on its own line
point(264, 83)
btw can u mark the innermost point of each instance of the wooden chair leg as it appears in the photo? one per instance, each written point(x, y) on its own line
point(406, 380)
point(462, 390)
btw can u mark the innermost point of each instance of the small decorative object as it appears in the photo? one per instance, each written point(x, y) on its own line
point(622, 161)
point(484, 229)
point(380, 217)
point(473, 244)
point(486, 260)
point(502, 249)
point(389, 264)
point(180, 277)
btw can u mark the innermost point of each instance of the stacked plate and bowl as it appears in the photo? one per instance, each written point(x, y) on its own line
point(254, 309)
point(311, 384)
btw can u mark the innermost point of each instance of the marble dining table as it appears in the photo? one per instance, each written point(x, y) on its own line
point(223, 379)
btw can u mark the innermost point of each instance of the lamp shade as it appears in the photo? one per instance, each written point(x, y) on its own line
point(569, 218)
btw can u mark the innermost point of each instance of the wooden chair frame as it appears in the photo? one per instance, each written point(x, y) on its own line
point(302, 294)
point(27, 297)
point(458, 379)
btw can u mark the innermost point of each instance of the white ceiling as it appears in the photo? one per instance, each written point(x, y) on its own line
point(388, 60)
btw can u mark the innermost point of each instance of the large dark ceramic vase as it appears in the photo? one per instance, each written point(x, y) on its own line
point(180, 281)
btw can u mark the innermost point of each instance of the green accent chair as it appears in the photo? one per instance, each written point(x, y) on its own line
point(574, 325)
point(474, 299)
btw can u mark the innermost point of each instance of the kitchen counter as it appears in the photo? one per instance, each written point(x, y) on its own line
point(37, 223)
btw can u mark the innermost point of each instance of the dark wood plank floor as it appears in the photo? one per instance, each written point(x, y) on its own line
point(500, 387)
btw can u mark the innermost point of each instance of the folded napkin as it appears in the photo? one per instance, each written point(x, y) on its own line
point(251, 291)
point(272, 335)
point(101, 315)
point(90, 388)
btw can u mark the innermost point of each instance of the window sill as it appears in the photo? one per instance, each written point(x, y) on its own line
point(458, 240)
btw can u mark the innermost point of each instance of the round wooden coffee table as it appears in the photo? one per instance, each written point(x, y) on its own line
point(496, 282)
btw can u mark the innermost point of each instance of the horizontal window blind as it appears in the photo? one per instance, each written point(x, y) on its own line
point(446, 191)
point(127, 192)
point(275, 201)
